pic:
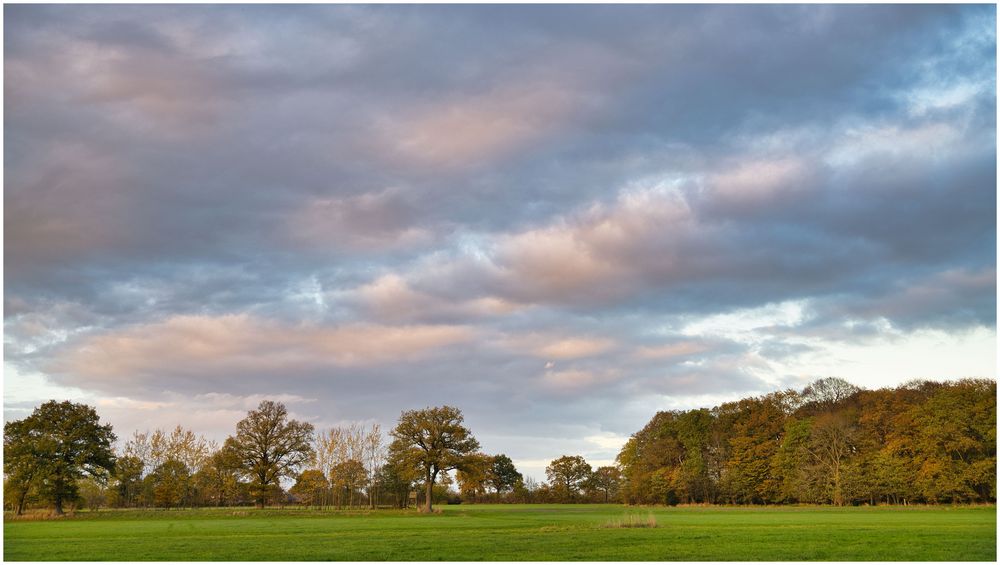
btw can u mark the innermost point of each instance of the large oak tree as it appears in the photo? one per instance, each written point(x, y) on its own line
point(49, 451)
point(568, 474)
point(432, 440)
point(269, 446)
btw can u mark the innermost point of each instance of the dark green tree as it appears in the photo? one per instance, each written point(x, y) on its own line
point(57, 445)
point(23, 462)
point(503, 475)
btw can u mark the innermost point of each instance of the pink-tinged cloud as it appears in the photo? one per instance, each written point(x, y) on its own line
point(391, 298)
point(572, 381)
point(759, 181)
point(226, 345)
point(671, 350)
point(472, 128)
point(558, 347)
point(368, 222)
point(602, 254)
point(493, 207)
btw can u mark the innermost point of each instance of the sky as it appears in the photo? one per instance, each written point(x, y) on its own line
point(560, 219)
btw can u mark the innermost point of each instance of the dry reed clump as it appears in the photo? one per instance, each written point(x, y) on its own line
point(33, 515)
point(633, 521)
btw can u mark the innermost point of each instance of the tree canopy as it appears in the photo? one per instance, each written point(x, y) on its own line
point(269, 446)
point(833, 443)
point(568, 474)
point(54, 447)
point(432, 440)
point(503, 475)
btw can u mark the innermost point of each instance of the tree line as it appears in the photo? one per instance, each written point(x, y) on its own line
point(831, 443)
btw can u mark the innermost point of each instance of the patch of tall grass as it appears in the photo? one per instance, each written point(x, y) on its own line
point(633, 521)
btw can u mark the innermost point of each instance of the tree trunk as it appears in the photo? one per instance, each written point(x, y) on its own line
point(837, 497)
point(262, 497)
point(59, 508)
point(20, 502)
point(429, 484)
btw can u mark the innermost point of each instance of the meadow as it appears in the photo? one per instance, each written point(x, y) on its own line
point(513, 533)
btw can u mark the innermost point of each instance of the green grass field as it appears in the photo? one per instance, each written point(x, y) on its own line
point(513, 533)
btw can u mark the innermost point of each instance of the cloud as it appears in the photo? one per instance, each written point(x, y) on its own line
point(671, 350)
point(363, 223)
point(473, 128)
point(557, 347)
point(559, 218)
point(391, 297)
point(200, 347)
point(573, 348)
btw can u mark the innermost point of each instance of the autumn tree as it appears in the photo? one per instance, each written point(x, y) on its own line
point(503, 475)
point(791, 462)
point(336, 446)
point(269, 446)
point(754, 427)
point(311, 487)
point(128, 480)
point(23, 462)
point(433, 441)
point(54, 447)
point(954, 442)
point(181, 445)
point(171, 482)
point(473, 475)
point(606, 480)
point(373, 449)
point(826, 394)
point(668, 461)
point(396, 479)
point(154, 448)
point(329, 450)
point(346, 479)
point(568, 474)
point(93, 492)
point(218, 478)
point(831, 443)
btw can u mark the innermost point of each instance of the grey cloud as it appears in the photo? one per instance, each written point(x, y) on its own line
point(578, 173)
